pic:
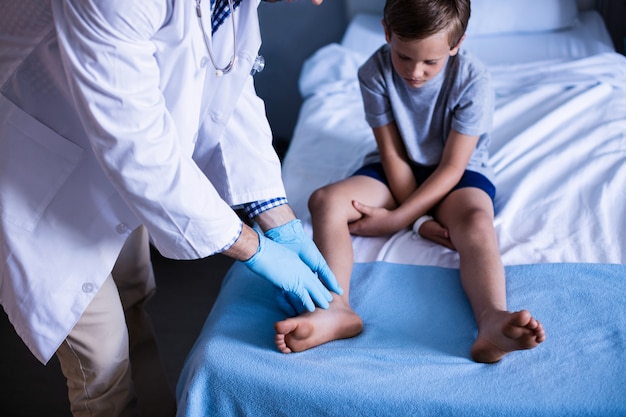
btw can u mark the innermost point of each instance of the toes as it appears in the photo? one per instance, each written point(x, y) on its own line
point(536, 328)
point(521, 318)
point(524, 328)
point(281, 345)
point(286, 326)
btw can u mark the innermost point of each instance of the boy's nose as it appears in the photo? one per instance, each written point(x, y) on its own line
point(417, 72)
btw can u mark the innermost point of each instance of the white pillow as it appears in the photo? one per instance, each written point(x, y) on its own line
point(491, 17)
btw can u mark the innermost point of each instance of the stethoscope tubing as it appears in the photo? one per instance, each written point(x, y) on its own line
point(208, 40)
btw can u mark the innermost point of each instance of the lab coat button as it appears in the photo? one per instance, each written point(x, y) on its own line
point(88, 287)
point(121, 228)
point(204, 61)
point(217, 116)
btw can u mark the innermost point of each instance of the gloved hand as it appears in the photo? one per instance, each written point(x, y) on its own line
point(283, 268)
point(290, 304)
point(291, 235)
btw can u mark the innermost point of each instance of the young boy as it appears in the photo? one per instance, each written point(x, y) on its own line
point(430, 106)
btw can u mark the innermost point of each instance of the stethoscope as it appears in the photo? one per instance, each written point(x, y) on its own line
point(259, 62)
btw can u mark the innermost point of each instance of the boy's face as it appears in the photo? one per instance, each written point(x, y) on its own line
point(418, 61)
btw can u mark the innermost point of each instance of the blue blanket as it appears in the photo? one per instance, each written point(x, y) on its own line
point(412, 358)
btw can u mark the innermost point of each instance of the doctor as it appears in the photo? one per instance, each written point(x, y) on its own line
point(123, 121)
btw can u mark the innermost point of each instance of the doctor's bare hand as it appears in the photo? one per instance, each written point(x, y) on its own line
point(284, 268)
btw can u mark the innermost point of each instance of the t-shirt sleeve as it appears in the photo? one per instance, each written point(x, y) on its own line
point(373, 76)
point(473, 113)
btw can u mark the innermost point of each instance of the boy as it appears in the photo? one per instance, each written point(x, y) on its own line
point(430, 106)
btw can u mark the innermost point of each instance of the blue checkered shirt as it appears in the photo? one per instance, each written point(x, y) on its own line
point(257, 207)
point(220, 12)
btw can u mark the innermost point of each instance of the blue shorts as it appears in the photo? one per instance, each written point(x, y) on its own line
point(469, 178)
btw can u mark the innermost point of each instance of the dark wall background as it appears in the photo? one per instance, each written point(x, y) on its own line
point(614, 13)
point(291, 33)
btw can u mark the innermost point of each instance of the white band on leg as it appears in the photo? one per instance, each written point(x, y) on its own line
point(419, 222)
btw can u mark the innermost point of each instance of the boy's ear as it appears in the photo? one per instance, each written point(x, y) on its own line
point(455, 50)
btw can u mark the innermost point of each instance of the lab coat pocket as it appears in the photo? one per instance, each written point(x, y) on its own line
point(34, 163)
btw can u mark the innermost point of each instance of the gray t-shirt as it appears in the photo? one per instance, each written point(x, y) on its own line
point(460, 97)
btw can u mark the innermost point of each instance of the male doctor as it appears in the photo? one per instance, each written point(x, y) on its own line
point(123, 121)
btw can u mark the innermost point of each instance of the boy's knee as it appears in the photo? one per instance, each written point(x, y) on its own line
point(474, 221)
point(478, 224)
point(480, 219)
point(319, 199)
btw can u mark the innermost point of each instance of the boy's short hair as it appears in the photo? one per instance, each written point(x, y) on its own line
point(419, 19)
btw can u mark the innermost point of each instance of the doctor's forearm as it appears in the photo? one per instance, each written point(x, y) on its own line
point(274, 217)
point(244, 247)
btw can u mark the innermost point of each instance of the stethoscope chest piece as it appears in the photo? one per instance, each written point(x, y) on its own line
point(259, 65)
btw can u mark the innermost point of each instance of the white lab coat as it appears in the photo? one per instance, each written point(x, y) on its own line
point(164, 143)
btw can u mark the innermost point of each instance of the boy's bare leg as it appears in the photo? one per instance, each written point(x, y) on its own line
point(468, 215)
point(331, 211)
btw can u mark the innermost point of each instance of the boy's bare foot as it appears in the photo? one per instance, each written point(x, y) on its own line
point(434, 231)
point(503, 332)
point(308, 330)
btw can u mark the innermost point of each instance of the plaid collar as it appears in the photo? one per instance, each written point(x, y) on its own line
point(220, 12)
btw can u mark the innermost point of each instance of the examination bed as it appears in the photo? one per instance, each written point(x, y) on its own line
point(559, 152)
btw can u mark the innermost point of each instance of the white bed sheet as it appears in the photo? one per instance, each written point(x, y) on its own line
point(559, 147)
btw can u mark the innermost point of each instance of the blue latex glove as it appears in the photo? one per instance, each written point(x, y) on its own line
point(283, 268)
point(290, 304)
point(292, 236)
